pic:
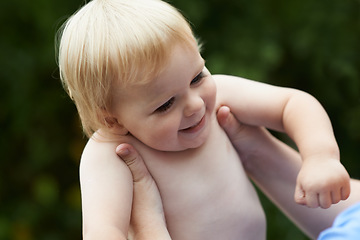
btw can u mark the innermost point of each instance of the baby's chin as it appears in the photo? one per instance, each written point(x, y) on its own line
point(179, 147)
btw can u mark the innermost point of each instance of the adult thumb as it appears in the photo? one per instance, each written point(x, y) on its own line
point(134, 162)
point(229, 123)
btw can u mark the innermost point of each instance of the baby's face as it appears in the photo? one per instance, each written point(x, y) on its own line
point(173, 111)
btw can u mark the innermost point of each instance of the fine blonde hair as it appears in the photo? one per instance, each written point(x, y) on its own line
point(115, 42)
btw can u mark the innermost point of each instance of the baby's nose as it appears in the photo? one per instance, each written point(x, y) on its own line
point(193, 105)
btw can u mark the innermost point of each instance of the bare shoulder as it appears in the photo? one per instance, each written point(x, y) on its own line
point(99, 162)
point(99, 153)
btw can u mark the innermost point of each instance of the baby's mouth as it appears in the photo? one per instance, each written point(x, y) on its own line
point(195, 127)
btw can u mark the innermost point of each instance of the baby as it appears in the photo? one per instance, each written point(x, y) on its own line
point(134, 71)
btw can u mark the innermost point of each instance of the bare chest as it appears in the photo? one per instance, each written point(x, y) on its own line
point(206, 193)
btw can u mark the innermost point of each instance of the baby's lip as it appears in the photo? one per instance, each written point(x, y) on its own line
point(195, 127)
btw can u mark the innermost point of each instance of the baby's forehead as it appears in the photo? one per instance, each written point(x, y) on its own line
point(145, 70)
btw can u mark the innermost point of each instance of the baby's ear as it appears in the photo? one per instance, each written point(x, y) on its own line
point(112, 122)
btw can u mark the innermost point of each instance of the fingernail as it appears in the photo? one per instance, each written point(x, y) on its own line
point(123, 151)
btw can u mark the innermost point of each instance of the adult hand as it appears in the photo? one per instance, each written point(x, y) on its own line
point(247, 140)
point(147, 215)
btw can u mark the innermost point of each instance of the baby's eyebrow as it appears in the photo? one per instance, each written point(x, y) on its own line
point(202, 68)
point(202, 64)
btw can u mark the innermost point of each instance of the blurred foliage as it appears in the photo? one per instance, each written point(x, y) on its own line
point(306, 44)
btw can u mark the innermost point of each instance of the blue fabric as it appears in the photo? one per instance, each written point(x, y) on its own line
point(345, 227)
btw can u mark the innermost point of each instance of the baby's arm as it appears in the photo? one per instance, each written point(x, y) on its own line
point(322, 179)
point(106, 192)
point(274, 166)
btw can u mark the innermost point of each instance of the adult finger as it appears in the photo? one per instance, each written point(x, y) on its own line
point(227, 121)
point(147, 214)
point(134, 161)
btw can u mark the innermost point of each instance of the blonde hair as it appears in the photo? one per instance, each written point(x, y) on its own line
point(115, 42)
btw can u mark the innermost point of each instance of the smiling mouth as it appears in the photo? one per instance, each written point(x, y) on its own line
point(195, 127)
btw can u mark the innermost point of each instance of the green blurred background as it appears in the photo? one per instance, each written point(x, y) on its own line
point(306, 44)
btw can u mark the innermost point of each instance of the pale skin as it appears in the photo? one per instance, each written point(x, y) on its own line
point(173, 126)
point(274, 167)
point(263, 155)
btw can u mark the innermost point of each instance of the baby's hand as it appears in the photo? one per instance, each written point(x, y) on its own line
point(321, 183)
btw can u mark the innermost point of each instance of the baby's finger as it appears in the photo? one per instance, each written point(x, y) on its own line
point(325, 200)
point(336, 196)
point(345, 192)
point(312, 200)
point(299, 195)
